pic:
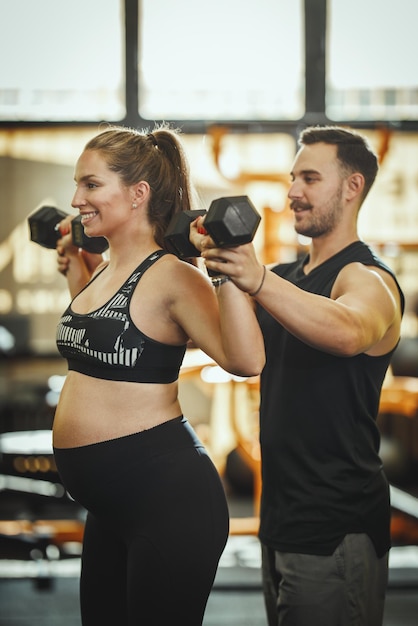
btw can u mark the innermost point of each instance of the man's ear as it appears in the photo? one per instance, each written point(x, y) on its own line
point(355, 185)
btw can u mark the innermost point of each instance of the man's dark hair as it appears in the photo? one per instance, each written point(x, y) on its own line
point(353, 150)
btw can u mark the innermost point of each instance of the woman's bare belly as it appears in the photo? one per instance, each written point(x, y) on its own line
point(91, 410)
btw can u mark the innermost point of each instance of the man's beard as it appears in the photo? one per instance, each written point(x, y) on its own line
point(324, 223)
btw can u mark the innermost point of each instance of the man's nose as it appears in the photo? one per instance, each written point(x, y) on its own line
point(295, 190)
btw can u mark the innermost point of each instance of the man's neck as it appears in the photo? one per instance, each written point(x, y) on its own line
point(322, 249)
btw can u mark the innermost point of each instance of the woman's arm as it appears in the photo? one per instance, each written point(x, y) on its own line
point(221, 321)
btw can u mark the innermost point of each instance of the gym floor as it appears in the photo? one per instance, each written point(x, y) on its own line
point(34, 596)
point(236, 600)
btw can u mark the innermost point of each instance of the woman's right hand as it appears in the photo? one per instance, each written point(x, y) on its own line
point(65, 247)
point(63, 261)
point(73, 262)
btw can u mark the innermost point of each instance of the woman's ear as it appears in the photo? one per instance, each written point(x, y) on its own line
point(140, 192)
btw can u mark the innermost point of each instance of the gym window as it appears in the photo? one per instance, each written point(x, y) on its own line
point(194, 60)
point(371, 60)
point(221, 60)
point(266, 66)
point(62, 61)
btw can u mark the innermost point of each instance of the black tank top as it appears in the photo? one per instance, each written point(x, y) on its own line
point(106, 344)
point(322, 475)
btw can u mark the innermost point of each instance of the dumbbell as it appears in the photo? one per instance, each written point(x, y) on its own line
point(44, 230)
point(230, 221)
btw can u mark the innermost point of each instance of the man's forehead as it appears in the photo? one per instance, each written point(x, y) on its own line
point(316, 157)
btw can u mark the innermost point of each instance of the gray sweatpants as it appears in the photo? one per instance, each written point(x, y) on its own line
point(345, 589)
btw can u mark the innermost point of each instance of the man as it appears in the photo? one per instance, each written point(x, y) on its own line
point(331, 322)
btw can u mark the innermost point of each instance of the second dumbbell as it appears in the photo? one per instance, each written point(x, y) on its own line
point(230, 221)
point(44, 230)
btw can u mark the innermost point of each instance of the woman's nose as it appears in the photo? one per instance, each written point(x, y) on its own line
point(77, 200)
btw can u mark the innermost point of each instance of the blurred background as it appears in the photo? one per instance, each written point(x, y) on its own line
point(241, 79)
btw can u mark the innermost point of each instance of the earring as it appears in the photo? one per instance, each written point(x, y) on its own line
point(134, 205)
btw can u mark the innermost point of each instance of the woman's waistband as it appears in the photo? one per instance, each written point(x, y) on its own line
point(174, 434)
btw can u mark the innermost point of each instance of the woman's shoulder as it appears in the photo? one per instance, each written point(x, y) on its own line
point(181, 279)
point(174, 267)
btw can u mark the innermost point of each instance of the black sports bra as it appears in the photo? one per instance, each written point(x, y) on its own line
point(106, 343)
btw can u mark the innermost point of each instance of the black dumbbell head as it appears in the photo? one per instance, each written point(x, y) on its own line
point(43, 226)
point(176, 237)
point(96, 245)
point(232, 221)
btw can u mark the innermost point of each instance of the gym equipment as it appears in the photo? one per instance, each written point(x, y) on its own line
point(177, 234)
point(230, 221)
point(44, 230)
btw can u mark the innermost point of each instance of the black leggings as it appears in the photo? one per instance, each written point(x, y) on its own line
point(156, 526)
